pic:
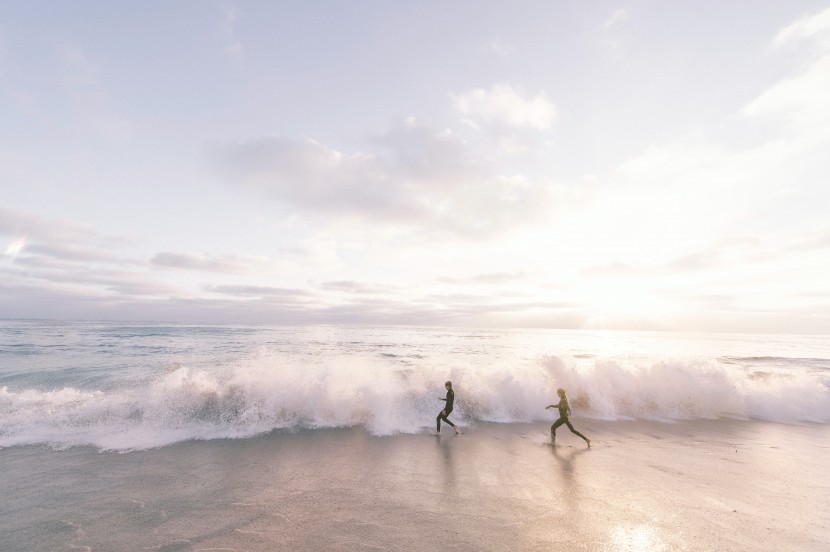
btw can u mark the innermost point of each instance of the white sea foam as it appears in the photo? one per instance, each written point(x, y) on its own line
point(272, 391)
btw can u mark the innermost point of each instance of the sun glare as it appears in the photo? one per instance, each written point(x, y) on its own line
point(635, 538)
point(622, 304)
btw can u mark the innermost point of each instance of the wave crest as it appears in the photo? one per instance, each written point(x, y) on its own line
point(270, 392)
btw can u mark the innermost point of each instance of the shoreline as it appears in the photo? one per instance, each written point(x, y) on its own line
point(700, 485)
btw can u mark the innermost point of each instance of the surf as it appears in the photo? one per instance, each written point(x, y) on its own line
point(277, 391)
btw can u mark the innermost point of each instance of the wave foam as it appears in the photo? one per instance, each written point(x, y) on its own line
point(270, 393)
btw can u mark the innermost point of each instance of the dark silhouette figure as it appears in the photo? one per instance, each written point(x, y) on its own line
point(444, 414)
point(564, 417)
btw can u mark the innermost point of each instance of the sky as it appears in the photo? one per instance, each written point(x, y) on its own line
point(636, 165)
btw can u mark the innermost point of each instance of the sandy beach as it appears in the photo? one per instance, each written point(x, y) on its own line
point(717, 485)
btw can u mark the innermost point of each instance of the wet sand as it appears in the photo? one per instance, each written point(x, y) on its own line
point(718, 485)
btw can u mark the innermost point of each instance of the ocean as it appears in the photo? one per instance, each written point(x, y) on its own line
point(109, 406)
point(131, 386)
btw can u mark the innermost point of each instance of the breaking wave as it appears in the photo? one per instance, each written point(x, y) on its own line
point(271, 392)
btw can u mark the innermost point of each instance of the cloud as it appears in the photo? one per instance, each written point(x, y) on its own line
point(315, 177)
point(801, 100)
point(426, 156)
point(84, 279)
point(613, 270)
point(811, 241)
point(660, 164)
point(270, 293)
point(416, 179)
point(125, 284)
point(36, 228)
point(696, 261)
point(144, 299)
point(730, 250)
point(354, 287)
point(814, 26)
point(504, 105)
point(713, 300)
point(483, 311)
point(74, 266)
point(72, 252)
point(488, 278)
point(211, 263)
point(39, 242)
point(127, 300)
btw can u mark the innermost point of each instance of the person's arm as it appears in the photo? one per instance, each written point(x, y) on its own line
point(551, 406)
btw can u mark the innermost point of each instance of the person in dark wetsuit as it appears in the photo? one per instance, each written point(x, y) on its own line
point(444, 414)
point(564, 417)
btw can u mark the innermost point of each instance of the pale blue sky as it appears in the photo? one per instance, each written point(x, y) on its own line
point(640, 165)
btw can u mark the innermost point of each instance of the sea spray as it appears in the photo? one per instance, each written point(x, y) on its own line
point(279, 391)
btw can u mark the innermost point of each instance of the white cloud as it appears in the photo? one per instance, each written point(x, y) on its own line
point(487, 279)
point(417, 178)
point(285, 295)
point(312, 176)
point(505, 105)
point(808, 27)
point(355, 287)
point(14, 222)
point(673, 206)
point(210, 263)
point(663, 164)
point(802, 99)
point(736, 250)
point(72, 252)
point(419, 223)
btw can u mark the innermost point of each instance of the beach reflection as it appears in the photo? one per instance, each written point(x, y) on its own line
point(570, 486)
point(635, 538)
point(445, 444)
point(567, 459)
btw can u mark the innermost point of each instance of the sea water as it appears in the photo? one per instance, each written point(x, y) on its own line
point(133, 386)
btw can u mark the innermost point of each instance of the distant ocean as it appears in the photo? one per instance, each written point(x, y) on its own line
point(134, 386)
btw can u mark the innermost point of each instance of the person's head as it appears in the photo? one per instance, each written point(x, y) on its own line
point(560, 392)
point(448, 385)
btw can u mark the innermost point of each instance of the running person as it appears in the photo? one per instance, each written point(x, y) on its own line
point(564, 415)
point(444, 414)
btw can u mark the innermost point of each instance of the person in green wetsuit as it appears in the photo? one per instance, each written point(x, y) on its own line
point(447, 409)
point(564, 417)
